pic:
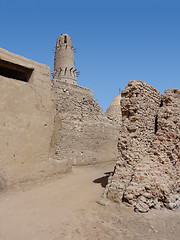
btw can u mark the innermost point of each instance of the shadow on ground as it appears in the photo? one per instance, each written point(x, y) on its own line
point(103, 180)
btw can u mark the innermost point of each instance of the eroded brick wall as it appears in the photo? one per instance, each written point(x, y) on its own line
point(156, 180)
point(87, 136)
point(140, 149)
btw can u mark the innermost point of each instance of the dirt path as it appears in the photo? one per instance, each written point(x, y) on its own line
point(66, 209)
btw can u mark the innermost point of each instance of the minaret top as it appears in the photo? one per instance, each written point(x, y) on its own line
point(64, 41)
point(64, 69)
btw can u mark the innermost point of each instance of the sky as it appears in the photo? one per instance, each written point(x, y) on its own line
point(116, 40)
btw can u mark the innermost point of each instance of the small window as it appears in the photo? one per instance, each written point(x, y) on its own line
point(156, 124)
point(65, 39)
point(65, 71)
point(15, 71)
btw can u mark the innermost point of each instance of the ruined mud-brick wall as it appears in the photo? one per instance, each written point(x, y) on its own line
point(147, 174)
point(140, 103)
point(156, 180)
point(87, 136)
point(26, 122)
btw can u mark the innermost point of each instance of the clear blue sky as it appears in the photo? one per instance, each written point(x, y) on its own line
point(116, 40)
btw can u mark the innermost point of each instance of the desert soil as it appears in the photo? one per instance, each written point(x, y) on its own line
point(66, 209)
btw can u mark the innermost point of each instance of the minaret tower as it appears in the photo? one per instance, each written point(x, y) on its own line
point(64, 69)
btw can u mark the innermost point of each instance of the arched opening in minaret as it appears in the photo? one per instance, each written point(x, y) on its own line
point(65, 39)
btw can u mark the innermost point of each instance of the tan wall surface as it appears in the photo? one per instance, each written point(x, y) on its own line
point(26, 124)
point(87, 135)
point(114, 109)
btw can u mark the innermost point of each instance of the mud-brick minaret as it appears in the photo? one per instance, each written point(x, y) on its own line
point(64, 69)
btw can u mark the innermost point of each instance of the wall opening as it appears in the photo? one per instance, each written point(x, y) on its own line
point(161, 104)
point(65, 39)
point(15, 71)
point(156, 124)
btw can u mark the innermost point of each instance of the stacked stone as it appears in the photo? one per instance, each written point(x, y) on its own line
point(159, 177)
point(87, 135)
point(139, 103)
point(147, 174)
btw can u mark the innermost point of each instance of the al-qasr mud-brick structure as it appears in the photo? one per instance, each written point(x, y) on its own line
point(49, 125)
point(147, 171)
point(26, 122)
point(87, 135)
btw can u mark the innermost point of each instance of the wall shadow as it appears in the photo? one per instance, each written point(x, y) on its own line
point(103, 180)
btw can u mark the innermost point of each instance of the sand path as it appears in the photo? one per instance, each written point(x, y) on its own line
point(49, 211)
point(66, 209)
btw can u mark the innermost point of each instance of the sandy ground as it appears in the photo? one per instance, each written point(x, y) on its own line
point(66, 209)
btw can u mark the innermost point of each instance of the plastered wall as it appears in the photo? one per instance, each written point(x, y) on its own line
point(27, 113)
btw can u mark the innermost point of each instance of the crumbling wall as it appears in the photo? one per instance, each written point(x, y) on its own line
point(87, 136)
point(140, 104)
point(156, 180)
